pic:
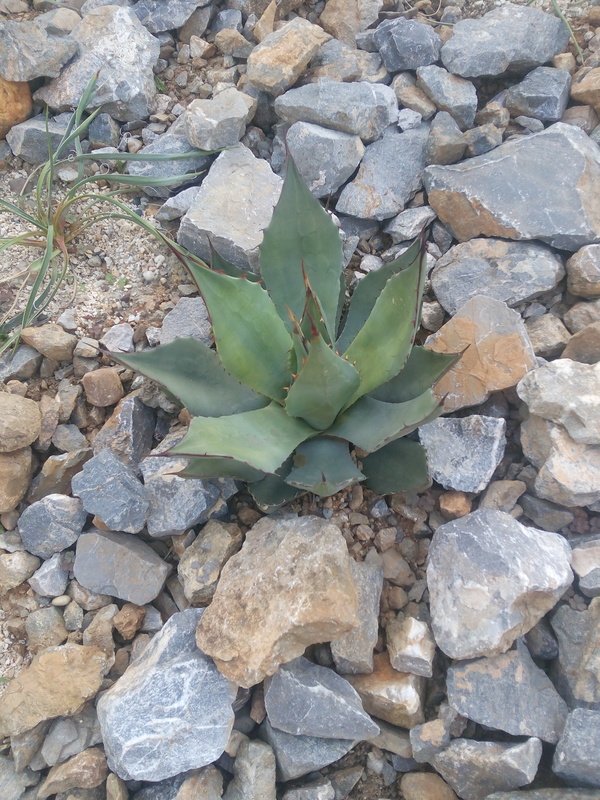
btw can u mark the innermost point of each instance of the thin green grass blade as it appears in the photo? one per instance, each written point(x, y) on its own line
point(400, 466)
point(323, 466)
point(5, 204)
point(423, 369)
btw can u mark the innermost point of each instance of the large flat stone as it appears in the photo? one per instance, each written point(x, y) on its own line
point(497, 194)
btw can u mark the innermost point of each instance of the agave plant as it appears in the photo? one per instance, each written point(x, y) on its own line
point(294, 386)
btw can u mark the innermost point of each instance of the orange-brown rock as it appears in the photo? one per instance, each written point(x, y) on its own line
point(129, 620)
point(345, 18)
point(15, 104)
point(103, 387)
point(86, 770)
point(15, 474)
point(454, 505)
point(586, 87)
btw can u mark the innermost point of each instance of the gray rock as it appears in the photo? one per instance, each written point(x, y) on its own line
point(235, 229)
point(104, 131)
point(110, 490)
point(509, 693)
point(483, 139)
point(67, 438)
point(119, 565)
point(119, 338)
point(45, 628)
point(463, 453)
point(456, 96)
point(406, 44)
point(115, 45)
point(128, 432)
point(172, 142)
point(574, 672)
point(16, 568)
point(90, 5)
point(50, 580)
point(511, 37)
point(508, 271)
point(227, 19)
point(321, 789)
point(586, 565)
point(410, 646)
point(200, 566)
point(176, 206)
point(497, 194)
point(548, 335)
point(29, 139)
point(32, 49)
point(13, 782)
point(543, 94)
point(409, 224)
point(540, 641)
point(205, 783)
point(577, 756)
point(170, 711)
point(253, 773)
point(219, 122)
point(178, 503)
point(353, 652)
point(546, 794)
point(299, 755)
point(476, 769)
point(24, 746)
point(378, 192)
point(21, 364)
point(165, 15)
point(514, 574)
point(325, 158)
point(69, 736)
point(446, 143)
point(305, 699)
point(361, 108)
point(51, 524)
point(188, 318)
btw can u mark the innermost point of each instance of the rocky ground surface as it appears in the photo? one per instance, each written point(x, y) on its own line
point(160, 638)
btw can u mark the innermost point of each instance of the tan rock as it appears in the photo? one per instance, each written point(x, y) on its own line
point(50, 411)
point(410, 646)
point(103, 387)
point(393, 739)
point(585, 345)
point(290, 586)
point(395, 697)
point(583, 272)
point(20, 422)
point(56, 473)
point(581, 315)
point(56, 684)
point(345, 18)
point(455, 504)
point(15, 104)
point(200, 566)
point(16, 568)
point(266, 23)
point(547, 335)
point(86, 770)
point(425, 786)
point(586, 87)
point(279, 60)
point(116, 789)
point(15, 474)
point(51, 341)
point(129, 620)
point(497, 352)
point(410, 96)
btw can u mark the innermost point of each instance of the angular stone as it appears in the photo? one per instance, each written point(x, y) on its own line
point(511, 37)
point(104, 131)
point(188, 318)
point(200, 565)
point(114, 43)
point(508, 271)
point(305, 699)
point(102, 387)
point(52, 524)
point(55, 475)
point(545, 515)
point(433, 737)
point(577, 756)
point(425, 786)
point(253, 773)
point(119, 565)
point(583, 272)
point(567, 393)
point(359, 108)
point(299, 755)
point(128, 432)
point(378, 192)
point(581, 315)
point(408, 224)
point(165, 15)
point(176, 206)
point(345, 18)
point(410, 646)
point(16, 568)
point(511, 575)
point(353, 652)
point(337, 61)
point(20, 422)
point(475, 769)
point(68, 438)
point(410, 96)
point(508, 692)
point(543, 94)
point(292, 579)
point(586, 87)
point(279, 60)
point(445, 143)
point(15, 474)
point(406, 44)
point(547, 335)
point(496, 352)
point(235, 230)
point(463, 453)
point(110, 490)
point(45, 628)
point(33, 49)
point(21, 364)
point(69, 736)
point(14, 782)
point(85, 770)
point(57, 683)
point(576, 672)
point(496, 194)
point(321, 789)
point(396, 697)
point(584, 346)
point(502, 495)
point(454, 95)
point(50, 580)
point(171, 688)
point(586, 565)
point(15, 102)
point(219, 122)
point(325, 158)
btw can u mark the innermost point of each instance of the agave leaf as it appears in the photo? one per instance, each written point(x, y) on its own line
point(193, 373)
point(301, 232)
point(368, 290)
point(423, 368)
point(371, 424)
point(220, 468)
point(400, 466)
point(272, 492)
point(251, 339)
point(382, 346)
point(220, 264)
point(323, 466)
point(324, 384)
point(263, 439)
